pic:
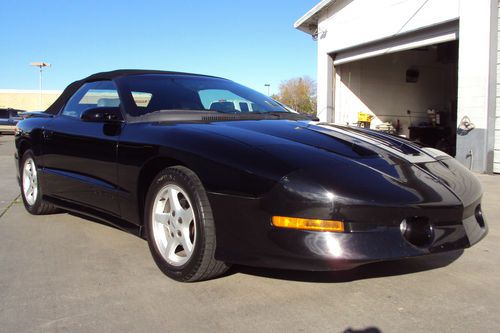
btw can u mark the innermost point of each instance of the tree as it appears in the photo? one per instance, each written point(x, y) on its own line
point(299, 94)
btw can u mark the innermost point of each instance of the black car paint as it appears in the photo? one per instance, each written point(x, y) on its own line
point(252, 170)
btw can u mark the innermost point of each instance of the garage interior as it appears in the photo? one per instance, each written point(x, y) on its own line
point(412, 93)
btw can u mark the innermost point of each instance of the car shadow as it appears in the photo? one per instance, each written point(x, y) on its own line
point(367, 271)
point(372, 329)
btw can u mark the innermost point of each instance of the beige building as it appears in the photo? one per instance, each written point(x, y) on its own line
point(27, 99)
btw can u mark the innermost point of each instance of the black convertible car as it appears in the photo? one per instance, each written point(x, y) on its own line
point(212, 173)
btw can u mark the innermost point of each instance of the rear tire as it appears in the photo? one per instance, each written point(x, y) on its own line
point(180, 226)
point(31, 189)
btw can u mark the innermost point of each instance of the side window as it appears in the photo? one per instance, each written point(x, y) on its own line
point(91, 95)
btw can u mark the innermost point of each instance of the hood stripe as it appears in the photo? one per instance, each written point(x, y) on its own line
point(422, 157)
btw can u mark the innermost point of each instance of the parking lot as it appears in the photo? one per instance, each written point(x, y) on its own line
point(63, 273)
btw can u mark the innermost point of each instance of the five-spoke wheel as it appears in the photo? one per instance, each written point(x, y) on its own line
point(174, 226)
point(180, 227)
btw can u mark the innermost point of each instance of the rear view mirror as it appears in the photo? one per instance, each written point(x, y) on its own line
point(102, 115)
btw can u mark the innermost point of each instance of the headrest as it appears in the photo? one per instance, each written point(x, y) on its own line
point(108, 102)
point(222, 106)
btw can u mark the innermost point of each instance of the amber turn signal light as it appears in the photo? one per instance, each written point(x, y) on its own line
point(308, 224)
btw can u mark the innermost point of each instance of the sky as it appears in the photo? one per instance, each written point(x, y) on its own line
point(251, 42)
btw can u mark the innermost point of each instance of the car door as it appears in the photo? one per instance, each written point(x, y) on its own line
point(79, 157)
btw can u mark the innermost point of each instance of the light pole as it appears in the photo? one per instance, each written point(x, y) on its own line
point(267, 85)
point(40, 65)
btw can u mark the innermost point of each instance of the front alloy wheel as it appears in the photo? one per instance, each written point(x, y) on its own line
point(174, 225)
point(180, 226)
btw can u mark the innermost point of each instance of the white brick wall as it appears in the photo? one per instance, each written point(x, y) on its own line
point(476, 78)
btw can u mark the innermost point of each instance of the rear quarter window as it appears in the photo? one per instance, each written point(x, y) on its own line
point(91, 95)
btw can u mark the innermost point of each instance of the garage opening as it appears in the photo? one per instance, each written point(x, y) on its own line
point(412, 93)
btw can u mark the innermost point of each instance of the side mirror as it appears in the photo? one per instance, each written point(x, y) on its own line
point(102, 115)
point(309, 116)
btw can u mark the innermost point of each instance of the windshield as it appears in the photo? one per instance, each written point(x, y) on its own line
point(149, 93)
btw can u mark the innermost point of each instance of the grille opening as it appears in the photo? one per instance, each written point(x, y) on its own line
point(417, 231)
point(479, 216)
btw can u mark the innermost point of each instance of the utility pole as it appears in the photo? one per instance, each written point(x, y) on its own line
point(267, 85)
point(40, 65)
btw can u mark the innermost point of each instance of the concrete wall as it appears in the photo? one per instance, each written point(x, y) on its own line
point(378, 85)
point(27, 99)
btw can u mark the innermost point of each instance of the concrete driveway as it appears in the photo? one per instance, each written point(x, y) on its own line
point(62, 273)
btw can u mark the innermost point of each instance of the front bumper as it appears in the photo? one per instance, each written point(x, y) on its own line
point(249, 238)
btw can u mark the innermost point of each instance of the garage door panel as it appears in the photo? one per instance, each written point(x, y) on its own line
point(438, 34)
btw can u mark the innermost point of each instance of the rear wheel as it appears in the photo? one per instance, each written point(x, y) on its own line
point(180, 226)
point(31, 189)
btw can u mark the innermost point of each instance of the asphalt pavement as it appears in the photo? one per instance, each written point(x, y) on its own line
point(62, 273)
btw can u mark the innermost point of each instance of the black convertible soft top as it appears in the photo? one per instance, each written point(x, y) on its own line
point(73, 87)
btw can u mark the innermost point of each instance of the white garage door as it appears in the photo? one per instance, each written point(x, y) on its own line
point(434, 35)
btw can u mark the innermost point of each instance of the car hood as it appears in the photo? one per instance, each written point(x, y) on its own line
point(343, 156)
point(338, 144)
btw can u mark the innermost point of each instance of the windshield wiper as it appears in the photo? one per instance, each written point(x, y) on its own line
point(292, 115)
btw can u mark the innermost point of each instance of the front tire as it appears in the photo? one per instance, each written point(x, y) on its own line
point(31, 189)
point(180, 226)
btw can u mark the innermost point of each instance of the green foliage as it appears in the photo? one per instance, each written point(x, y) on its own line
point(299, 94)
